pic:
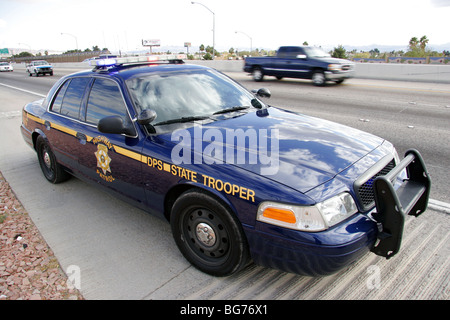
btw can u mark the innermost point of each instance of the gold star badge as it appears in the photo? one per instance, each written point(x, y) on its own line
point(103, 160)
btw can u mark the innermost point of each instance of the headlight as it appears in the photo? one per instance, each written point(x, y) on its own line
point(334, 67)
point(308, 218)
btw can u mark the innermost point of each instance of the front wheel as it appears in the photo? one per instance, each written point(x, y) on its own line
point(208, 234)
point(318, 78)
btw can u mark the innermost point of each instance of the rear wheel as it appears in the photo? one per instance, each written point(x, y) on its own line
point(258, 74)
point(208, 235)
point(51, 169)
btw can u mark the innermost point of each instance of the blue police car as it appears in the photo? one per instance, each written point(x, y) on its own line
point(237, 179)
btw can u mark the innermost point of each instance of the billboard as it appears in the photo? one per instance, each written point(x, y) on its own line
point(151, 42)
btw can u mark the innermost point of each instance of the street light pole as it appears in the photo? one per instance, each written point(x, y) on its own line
point(214, 25)
point(251, 40)
point(76, 40)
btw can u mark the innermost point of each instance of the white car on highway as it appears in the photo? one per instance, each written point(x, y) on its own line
point(39, 67)
point(6, 66)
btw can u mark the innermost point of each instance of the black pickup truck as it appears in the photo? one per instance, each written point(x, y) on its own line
point(300, 62)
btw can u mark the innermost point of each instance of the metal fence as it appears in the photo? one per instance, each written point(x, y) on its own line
point(58, 58)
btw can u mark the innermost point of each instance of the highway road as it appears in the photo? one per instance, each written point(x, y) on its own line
point(123, 253)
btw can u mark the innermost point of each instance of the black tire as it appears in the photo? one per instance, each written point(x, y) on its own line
point(51, 169)
point(208, 235)
point(318, 78)
point(258, 74)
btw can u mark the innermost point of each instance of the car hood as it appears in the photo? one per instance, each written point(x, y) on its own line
point(299, 151)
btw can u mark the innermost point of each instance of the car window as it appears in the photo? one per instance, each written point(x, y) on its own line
point(72, 99)
point(56, 106)
point(183, 94)
point(105, 100)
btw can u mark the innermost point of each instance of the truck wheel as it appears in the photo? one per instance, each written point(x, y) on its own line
point(208, 235)
point(318, 78)
point(258, 74)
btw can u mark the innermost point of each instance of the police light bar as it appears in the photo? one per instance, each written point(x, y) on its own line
point(110, 62)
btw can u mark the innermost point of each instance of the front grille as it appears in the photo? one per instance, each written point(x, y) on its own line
point(365, 192)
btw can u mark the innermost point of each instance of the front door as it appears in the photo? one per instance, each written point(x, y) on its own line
point(112, 160)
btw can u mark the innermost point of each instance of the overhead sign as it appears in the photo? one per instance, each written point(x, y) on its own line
point(151, 43)
point(4, 51)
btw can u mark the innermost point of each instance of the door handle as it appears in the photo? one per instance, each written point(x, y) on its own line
point(81, 137)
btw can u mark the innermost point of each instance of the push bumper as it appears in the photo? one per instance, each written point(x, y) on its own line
point(392, 206)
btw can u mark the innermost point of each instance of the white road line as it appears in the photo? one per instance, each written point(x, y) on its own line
point(27, 91)
point(439, 206)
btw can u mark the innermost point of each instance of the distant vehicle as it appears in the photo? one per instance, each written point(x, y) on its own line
point(39, 67)
point(300, 62)
point(6, 66)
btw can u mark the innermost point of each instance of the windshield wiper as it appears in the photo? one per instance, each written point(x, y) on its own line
point(181, 120)
point(231, 110)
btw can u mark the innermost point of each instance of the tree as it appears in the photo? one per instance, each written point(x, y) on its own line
point(413, 43)
point(423, 42)
point(418, 48)
point(339, 52)
point(374, 53)
point(23, 54)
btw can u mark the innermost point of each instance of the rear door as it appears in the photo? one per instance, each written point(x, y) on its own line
point(63, 122)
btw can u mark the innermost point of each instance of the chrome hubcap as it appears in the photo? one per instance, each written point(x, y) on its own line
point(205, 234)
point(47, 160)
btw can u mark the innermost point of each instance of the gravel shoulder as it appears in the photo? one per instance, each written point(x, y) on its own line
point(28, 268)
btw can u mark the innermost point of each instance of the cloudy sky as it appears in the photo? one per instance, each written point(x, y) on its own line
point(65, 24)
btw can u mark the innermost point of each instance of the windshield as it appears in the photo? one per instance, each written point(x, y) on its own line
point(183, 94)
point(316, 52)
point(40, 63)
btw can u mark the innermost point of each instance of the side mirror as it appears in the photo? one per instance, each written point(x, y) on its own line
point(263, 93)
point(115, 125)
point(301, 56)
point(146, 117)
